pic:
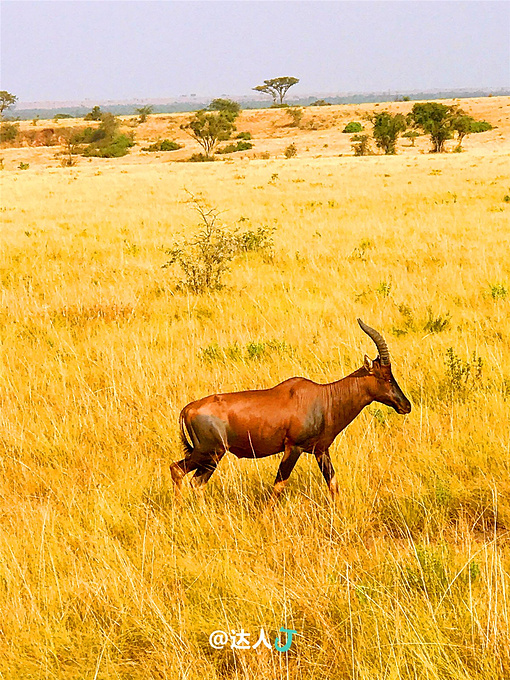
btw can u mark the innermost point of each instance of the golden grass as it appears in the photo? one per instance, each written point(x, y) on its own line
point(102, 575)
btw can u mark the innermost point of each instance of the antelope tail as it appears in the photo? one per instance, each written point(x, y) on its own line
point(188, 447)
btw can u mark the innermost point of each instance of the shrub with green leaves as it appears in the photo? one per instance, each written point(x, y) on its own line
point(239, 146)
point(163, 145)
point(387, 128)
point(462, 375)
point(352, 127)
point(8, 132)
point(208, 129)
point(205, 258)
point(244, 135)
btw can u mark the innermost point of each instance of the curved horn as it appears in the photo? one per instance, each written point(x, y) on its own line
point(380, 343)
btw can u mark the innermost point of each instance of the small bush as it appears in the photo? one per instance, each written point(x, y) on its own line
point(205, 259)
point(290, 151)
point(23, 166)
point(258, 240)
point(383, 289)
point(8, 132)
point(119, 146)
point(163, 145)
point(320, 102)
point(436, 324)
point(200, 158)
point(461, 375)
point(498, 291)
point(361, 145)
point(296, 116)
point(244, 135)
point(353, 126)
point(61, 116)
point(232, 148)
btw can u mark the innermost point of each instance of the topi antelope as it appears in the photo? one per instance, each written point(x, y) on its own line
point(295, 416)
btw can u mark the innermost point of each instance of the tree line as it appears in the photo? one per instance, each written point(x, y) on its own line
point(209, 127)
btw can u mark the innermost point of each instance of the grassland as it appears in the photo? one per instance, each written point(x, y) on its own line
point(102, 574)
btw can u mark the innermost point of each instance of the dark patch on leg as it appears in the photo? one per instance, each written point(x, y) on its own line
point(328, 471)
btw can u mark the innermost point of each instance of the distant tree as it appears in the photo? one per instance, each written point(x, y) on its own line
point(61, 116)
point(435, 120)
point(387, 128)
point(6, 101)
point(228, 107)
point(208, 129)
point(277, 88)
point(143, 112)
point(71, 139)
point(463, 126)
point(95, 114)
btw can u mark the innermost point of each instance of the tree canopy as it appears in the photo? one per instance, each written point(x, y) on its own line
point(277, 87)
point(208, 129)
point(387, 128)
point(6, 100)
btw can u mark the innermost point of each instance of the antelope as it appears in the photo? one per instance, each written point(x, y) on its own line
point(295, 416)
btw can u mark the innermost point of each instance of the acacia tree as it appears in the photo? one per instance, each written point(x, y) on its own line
point(6, 100)
point(435, 120)
point(208, 129)
point(277, 88)
point(386, 130)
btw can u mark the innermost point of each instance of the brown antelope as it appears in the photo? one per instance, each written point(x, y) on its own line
point(295, 416)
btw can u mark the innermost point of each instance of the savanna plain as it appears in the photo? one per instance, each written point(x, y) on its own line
point(103, 572)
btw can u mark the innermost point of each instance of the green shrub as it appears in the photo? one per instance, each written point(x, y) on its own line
point(62, 116)
point(205, 258)
point(498, 291)
point(258, 240)
point(119, 146)
point(8, 132)
point(163, 145)
point(200, 158)
point(353, 126)
point(23, 166)
point(436, 324)
point(244, 135)
point(462, 375)
point(232, 148)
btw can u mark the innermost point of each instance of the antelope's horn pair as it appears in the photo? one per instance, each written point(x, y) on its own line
point(380, 343)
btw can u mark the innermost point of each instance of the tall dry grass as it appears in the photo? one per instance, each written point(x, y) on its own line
point(103, 575)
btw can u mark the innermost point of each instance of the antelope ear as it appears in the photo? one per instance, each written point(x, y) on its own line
point(368, 364)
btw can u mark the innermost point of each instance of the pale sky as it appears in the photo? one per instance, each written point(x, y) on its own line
point(72, 50)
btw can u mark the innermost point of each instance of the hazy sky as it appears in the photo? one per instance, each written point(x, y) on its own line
point(60, 51)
